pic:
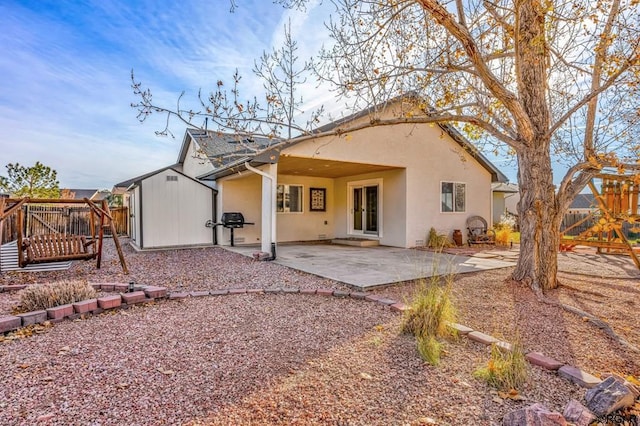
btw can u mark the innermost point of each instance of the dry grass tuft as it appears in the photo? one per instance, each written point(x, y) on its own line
point(41, 296)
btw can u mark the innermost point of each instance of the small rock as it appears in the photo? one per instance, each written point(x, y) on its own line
point(578, 414)
point(609, 396)
point(366, 376)
point(45, 417)
point(534, 415)
point(426, 421)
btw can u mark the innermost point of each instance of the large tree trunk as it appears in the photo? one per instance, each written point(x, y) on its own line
point(540, 219)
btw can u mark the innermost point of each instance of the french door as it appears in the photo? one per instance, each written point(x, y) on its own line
point(364, 209)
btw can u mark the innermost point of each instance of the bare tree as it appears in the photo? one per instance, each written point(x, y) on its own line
point(273, 118)
point(537, 77)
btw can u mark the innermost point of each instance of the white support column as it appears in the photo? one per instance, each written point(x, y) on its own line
point(268, 216)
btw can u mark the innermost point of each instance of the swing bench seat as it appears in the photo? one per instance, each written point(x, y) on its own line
point(57, 248)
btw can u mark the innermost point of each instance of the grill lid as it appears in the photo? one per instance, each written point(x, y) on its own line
point(232, 218)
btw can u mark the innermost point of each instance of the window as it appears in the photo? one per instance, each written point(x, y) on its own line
point(453, 197)
point(289, 199)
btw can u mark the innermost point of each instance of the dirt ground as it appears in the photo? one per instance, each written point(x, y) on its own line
point(297, 359)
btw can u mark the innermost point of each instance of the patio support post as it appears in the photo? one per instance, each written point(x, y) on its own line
point(269, 190)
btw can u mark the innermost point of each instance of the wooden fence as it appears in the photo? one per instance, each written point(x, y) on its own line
point(571, 219)
point(43, 219)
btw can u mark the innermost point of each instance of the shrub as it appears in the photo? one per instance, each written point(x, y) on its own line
point(437, 241)
point(429, 349)
point(41, 296)
point(431, 310)
point(506, 370)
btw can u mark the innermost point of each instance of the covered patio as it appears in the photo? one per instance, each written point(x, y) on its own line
point(366, 268)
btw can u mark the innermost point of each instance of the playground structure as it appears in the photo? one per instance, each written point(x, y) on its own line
point(617, 203)
point(57, 246)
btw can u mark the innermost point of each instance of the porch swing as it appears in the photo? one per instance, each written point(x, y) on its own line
point(55, 246)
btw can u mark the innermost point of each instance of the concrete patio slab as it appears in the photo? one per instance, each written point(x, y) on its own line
point(370, 267)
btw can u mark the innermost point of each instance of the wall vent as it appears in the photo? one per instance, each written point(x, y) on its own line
point(172, 178)
point(419, 243)
point(322, 236)
point(237, 240)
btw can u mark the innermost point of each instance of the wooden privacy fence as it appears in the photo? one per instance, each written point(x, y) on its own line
point(578, 223)
point(47, 219)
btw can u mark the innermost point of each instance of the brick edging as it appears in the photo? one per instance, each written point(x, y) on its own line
point(144, 294)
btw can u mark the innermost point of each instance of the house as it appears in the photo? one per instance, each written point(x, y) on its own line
point(388, 184)
point(80, 194)
point(505, 200)
point(583, 204)
point(169, 207)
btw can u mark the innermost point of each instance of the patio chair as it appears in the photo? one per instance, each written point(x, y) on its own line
point(478, 231)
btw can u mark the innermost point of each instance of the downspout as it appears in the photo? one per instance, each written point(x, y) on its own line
point(274, 189)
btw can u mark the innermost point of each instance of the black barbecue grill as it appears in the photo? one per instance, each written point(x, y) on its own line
point(230, 220)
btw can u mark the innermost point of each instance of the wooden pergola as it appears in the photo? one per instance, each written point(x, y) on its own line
point(617, 203)
point(58, 247)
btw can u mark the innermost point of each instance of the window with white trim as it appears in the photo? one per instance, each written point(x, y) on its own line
point(289, 199)
point(452, 196)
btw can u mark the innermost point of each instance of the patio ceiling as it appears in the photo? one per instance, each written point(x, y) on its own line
point(325, 168)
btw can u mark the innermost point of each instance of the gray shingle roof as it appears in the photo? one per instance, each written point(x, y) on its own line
point(224, 148)
point(584, 201)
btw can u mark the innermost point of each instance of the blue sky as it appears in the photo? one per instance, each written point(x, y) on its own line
point(65, 67)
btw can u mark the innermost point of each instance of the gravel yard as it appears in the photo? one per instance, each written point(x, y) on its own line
point(292, 358)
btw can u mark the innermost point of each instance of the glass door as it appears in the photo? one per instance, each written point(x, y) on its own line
point(364, 209)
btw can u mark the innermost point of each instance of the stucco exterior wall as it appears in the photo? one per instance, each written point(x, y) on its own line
point(174, 212)
point(241, 194)
point(429, 156)
point(195, 163)
point(308, 225)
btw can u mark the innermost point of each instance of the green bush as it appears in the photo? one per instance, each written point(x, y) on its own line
point(44, 296)
point(506, 370)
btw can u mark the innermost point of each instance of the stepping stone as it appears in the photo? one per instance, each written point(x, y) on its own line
point(308, 291)
point(341, 293)
point(578, 376)
point(222, 292)
point(200, 293)
point(325, 291)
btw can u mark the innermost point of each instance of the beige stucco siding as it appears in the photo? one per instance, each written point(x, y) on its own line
point(175, 211)
point(195, 162)
point(241, 194)
point(308, 225)
point(429, 156)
